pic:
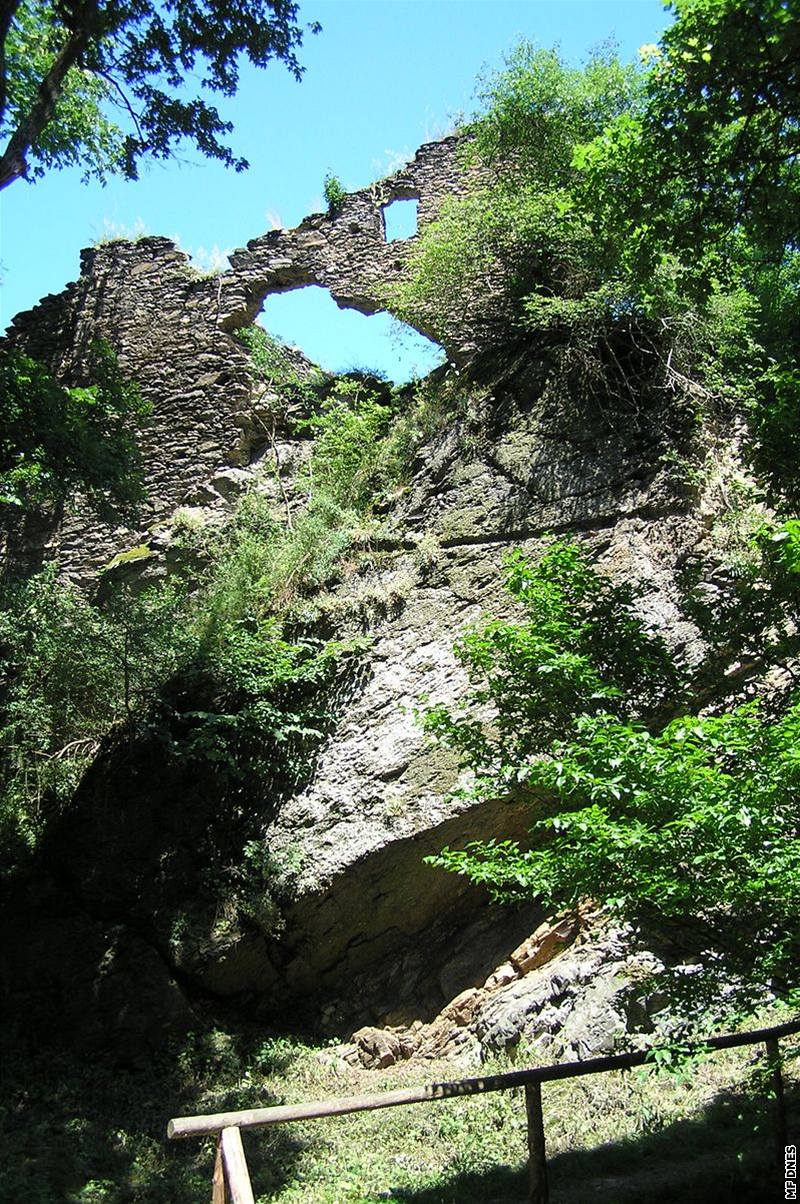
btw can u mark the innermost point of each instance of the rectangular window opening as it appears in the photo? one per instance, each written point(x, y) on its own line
point(400, 219)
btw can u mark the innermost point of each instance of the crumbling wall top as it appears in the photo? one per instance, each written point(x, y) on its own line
point(171, 327)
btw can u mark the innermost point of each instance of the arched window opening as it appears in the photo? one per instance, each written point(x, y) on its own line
point(341, 340)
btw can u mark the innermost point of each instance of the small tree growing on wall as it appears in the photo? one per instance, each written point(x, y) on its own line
point(334, 192)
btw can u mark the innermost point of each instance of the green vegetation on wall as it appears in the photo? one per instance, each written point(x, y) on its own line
point(334, 192)
point(221, 658)
point(271, 363)
point(56, 440)
point(251, 702)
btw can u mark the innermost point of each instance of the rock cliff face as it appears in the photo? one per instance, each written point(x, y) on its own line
point(124, 923)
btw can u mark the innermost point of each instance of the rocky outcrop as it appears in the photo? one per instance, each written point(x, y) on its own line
point(367, 934)
point(574, 989)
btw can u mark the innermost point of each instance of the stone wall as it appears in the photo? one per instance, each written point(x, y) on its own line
point(172, 326)
point(346, 253)
point(160, 318)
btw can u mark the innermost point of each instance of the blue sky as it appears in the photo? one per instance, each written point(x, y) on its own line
point(383, 77)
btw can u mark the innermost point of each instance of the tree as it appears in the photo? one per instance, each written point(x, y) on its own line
point(67, 65)
point(518, 231)
point(642, 188)
point(55, 440)
point(712, 152)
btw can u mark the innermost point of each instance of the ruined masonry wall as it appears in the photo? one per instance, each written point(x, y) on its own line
point(171, 328)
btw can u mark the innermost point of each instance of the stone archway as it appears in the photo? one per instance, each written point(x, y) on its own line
point(340, 339)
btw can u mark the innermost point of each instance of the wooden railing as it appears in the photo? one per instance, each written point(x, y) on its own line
point(231, 1183)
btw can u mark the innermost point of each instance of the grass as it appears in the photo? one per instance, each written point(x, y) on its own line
point(82, 1132)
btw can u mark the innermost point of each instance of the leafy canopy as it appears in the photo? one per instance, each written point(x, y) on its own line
point(103, 83)
point(714, 147)
point(640, 215)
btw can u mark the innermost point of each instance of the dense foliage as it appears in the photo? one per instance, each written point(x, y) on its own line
point(520, 227)
point(55, 440)
point(365, 432)
point(712, 149)
point(214, 668)
point(103, 84)
point(642, 219)
point(70, 670)
point(353, 462)
point(690, 825)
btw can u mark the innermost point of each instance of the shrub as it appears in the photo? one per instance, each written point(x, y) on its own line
point(581, 649)
point(349, 463)
point(519, 232)
point(589, 227)
point(334, 192)
point(272, 364)
point(691, 828)
point(71, 670)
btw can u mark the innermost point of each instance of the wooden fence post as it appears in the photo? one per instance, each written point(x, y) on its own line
point(218, 1193)
point(774, 1063)
point(537, 1162)
point(237, 1176)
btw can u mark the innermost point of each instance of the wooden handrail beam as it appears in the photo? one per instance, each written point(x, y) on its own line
point(202, 1126)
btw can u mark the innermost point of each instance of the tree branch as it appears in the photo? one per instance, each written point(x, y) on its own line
point(8, 10)
point(13, 162)
point(126, 103)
